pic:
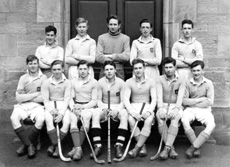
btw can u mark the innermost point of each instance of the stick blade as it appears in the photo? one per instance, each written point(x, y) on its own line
point(100, 161)
point(119, 159)
point(153, 158)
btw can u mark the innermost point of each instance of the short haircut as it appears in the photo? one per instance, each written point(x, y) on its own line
point(169, 60)
point(56, 62)
point(187, 22)
point(31, 58)
point(197, 63)
point(112, 63)
point(51, 28)
point(146, 21)
point(81, 20)
point(113, 17)
point(136, 61)
point(81, 62)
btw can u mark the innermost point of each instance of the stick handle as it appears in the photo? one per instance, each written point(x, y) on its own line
point(109, 144)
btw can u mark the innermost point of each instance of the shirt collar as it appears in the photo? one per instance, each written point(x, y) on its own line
point(53, 82)
point(52, 46)
point(181, 40)
point(145, 78)
point(88, 79)
point(39, 73)
point(195, 83)
point(174, 79)
point(87, 37)
point(141, 41)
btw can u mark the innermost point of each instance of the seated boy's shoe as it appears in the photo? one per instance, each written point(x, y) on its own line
point(165, 153)
point(189, 152)
point(56, 153)
point(72, 152)
point(31, 151)
point(50, 150)
point(21, 151)
point(173, 154)
point(78, 154)
point(97, 151)
point(133, 153)
point(143, 151)
point(197, 153)
point(118, 151)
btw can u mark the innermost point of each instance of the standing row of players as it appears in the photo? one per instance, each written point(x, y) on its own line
point(112, 51)
point(87, 98)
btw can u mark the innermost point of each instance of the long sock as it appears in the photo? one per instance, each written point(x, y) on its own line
point(34, 135)
point(82, 134)
point(121, 136)
point(96, 133)
point(75, 137)
point(23, 136)
point(141, 140)
point(172, 133)
point(53, 136)
point(190, 135)
point(62, 135)
point(160, 129)
point(200, 139)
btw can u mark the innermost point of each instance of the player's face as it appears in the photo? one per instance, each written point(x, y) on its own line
point(146, 29)
point(83, 70)
point(33, 66)
point(50, 38)
point(169, 69)
point(109, 71)
point(187, 30)
point(57, 71)
point(82, 29)
point(197, 72)
point(113, 26)
point(138, 70)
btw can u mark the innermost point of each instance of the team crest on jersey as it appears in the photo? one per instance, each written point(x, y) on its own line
point(118, 94)
point(38, 89)
point(151, 50)
point(194, 51)
point(176, 91)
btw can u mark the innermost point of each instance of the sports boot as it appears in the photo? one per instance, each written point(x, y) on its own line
point(31, 151)
point(133, 153)
point(21, 151)
point(173, 154)
point(72, 152)
point(189, 152)
point(143, 151)
point(78, 154)
point(165, 153)
point(197, 153)
point(56, 153)
point(118, 151)
point(97, 151)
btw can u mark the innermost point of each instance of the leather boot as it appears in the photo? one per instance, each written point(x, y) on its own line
point(118, 151)
point(31, 151)
point(173, 154)
point(133, 153)
point(21, 151)
point(97, 151)
point(78, 154)
point(165, 153)
point(72, 152)
point(197, 153)
point(189, 152)
point(143, 151)
point(50, 150)
point(56, 153)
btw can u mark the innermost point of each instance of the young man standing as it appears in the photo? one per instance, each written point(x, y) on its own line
point(113, 46)
point(170, 89)
point(140, 89)
point(84, 99)
point(28, 96)
point(199, 98)
point(186, 50)
point(147, 48)
point(50, 51)
point(82, 47)
point(56, 89)
point(116, 87)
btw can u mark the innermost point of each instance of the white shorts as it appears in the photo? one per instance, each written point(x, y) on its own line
point(200, 114)
point(59, 105)
point(138, 107)
point(28, 110)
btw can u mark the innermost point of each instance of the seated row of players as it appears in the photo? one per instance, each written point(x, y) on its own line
point(115, 46)
point(80, 99)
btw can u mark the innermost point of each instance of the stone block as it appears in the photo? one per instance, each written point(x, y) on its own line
point(18, 6)
point(12, 28)
point(216, 62)
point(223, 48)
point(21, 17)
point(207, 6)
point(2, 18)
point(14, 62)
point(24, 51)
point(67, 11)
point(49, 11)
point(8, 43)
point(208, 18)
point(184, 9)
point(219, 29)
point(224, 6)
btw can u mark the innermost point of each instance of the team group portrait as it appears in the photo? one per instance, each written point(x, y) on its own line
point(116, 100)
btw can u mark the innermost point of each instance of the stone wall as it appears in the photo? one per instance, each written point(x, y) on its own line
point(22, 24)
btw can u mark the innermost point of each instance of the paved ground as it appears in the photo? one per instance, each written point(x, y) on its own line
point(212, 155)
